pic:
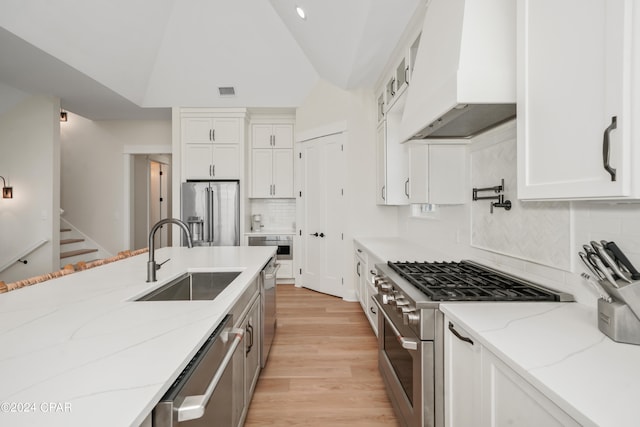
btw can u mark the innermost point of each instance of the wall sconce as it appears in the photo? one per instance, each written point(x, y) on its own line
point(7, 192)
point(63, 116)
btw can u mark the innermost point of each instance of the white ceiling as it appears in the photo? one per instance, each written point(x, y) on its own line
point(106, 59)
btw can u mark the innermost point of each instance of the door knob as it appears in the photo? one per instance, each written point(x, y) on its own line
point(321, 234)
point(314, 234)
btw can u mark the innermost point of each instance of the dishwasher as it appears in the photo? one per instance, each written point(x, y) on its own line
point(201, 395)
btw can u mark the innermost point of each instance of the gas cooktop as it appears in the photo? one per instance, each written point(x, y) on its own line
point(468, 281)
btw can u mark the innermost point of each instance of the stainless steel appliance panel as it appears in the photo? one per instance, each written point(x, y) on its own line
point(269, 321)
point(209, 371)
point(404, 361)
point(283, 242)
point(211, 209)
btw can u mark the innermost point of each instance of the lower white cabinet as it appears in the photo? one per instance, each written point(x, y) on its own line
point(462, 367)
point(512, 401)
point(286, 269)
point(482, 391)
point(364, 264)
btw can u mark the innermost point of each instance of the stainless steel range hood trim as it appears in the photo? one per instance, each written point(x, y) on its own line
point(466, 121)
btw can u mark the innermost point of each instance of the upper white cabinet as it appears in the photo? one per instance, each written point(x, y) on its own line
point(212, 143)
point(437, 174)
point(576, 99)
point(206, 130)
point(272, 135)
point(398, 79)
point(272, 160)
point(392, 175)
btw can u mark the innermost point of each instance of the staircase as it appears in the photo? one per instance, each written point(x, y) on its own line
point(76, 247)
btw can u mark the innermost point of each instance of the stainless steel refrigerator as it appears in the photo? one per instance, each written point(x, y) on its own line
point(211, 209)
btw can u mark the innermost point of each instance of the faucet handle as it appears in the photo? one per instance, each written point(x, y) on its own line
point(161, 264)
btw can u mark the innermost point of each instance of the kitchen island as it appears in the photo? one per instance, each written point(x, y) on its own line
point(79, 350)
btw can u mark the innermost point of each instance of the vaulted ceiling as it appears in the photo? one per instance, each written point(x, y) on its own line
point(109, 59)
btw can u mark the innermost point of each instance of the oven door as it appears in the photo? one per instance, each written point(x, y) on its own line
point(407, 368)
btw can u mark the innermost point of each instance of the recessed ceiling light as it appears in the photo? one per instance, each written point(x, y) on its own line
point(301, 13)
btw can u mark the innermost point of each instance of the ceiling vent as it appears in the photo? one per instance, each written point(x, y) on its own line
point(227, 91)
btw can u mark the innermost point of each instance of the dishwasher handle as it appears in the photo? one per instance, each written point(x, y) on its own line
point(193, 407)
point(272, 274)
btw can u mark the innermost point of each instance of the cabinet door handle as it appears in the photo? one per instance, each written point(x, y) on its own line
point(457, 334)
point(373, 311)
point(210, 135)
point(406, 75)
point(210, 172)
point(213, 170)
point(213, 134)
point(606, 149)
point(383, 194)
point(358, 269)
point(393, 83)
point(406, 187)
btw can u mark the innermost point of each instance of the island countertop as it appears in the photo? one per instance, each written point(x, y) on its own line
point(79, 351)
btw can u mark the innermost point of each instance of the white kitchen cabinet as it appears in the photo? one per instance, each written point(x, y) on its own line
point(272, 173)
point(212, 146)
point(286, 269)
point(482, 391)
point(399, 78)
point(462, 370)
point(392, 174)
point(437, 174)
point(364, 265)
point(359, 278)
point(206, 130)
point(212, 161)
point(509, 400)
point(575, 87)
point(272, 135)
point(272, 160)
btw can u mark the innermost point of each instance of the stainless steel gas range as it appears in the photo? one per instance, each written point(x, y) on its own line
point(411, 327)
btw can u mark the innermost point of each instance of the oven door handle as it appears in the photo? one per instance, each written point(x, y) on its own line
point(406, 343)
point(193, 407)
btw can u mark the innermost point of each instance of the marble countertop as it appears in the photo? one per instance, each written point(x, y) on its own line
point(78, 351)
point(558, 348)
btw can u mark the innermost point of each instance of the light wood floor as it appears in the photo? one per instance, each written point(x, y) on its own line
point(322, 369)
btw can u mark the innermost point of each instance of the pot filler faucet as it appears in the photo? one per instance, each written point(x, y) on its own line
point(151, 264)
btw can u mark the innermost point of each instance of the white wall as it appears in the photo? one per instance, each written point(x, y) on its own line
point(29, 160)
point(93, 173)
point(327, 105)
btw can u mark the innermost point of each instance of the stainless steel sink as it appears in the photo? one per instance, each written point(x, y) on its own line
point(192, 286)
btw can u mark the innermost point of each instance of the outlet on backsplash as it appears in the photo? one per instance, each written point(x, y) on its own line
point(277, 214)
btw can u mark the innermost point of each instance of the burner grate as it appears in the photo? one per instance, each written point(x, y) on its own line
point(453, 281)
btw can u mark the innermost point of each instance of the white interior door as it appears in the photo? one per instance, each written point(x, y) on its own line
point(323, 214)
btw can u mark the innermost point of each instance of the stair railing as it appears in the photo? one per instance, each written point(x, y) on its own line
point(23, 254)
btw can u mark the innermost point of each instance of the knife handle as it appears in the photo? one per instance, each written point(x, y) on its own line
point(621, 257)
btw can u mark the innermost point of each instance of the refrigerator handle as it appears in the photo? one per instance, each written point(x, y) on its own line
point(210, 216)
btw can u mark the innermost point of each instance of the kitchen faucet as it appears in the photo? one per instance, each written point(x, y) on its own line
point(151, 264)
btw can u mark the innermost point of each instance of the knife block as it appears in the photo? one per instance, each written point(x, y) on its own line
point(618, 322)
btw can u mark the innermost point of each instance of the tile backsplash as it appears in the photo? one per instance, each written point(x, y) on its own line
point(533, 231)
point(277, 214)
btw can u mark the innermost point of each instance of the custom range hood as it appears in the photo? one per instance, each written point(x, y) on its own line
point(464, 79)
